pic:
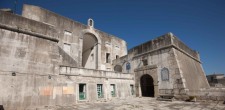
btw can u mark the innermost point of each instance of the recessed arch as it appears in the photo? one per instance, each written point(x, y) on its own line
point(118, 68)
point(90, 51)
point(93, 61)
point(147, 86)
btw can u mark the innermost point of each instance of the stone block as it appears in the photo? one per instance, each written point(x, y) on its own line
point(62, 70)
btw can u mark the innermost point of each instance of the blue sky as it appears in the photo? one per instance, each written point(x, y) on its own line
point(198, 23)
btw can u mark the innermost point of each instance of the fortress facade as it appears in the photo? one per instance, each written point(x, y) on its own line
point(47, 59)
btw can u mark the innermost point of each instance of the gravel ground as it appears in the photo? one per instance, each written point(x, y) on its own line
point(144, 103)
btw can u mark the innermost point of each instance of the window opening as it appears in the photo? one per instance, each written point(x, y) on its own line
point(132, 89)
point(107, 57)
point(100, 91)
point(113, 90)
point(82, 91)
point(117, 56)
point(145, 62)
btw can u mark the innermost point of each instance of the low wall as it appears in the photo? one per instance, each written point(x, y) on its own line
point(216, 94)
point(27, 90)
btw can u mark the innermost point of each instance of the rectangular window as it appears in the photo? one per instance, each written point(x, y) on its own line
point(113, 90)
point(107, 58)
point(145, 62)
point(100, 91)
point(66, 48)
point(117, 56)
point(82, 91)
point(132, 89)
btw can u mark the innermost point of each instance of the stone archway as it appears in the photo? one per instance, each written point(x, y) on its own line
point(97, 56)
point(90, 51)
point(147, 86)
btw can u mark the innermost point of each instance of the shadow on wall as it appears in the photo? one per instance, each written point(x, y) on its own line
point(1, 107)
point(67, 59)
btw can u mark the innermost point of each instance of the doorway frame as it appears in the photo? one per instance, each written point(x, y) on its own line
point(150, 70)
point(91, 31)
point(149, 85)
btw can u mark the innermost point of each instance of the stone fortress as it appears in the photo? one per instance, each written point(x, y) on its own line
point(47, 59)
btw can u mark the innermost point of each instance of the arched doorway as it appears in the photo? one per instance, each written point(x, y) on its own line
point(147, 86)
point(90, 51)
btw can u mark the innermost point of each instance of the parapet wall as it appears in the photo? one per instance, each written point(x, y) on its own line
point(163, 42)
point(216, 94)
point(152, 45)
point(74, 71)
point(179, 44)
point(20, 24)
point(27, 46)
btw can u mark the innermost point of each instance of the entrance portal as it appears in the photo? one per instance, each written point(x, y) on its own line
point(147, 86)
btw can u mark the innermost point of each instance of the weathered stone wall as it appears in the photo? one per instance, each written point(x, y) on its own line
point(186, 74)
point(35, 90)
point(107, 43)
point(216, 94)
point(181, 46)
point(25, 48)
point(152, 45)
point(192, 73)
point(31, 68)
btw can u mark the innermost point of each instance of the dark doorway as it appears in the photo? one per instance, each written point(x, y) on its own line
point(147, 86)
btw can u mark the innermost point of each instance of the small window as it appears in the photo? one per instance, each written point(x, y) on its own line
point(128, 66)
point(165, 74)
point(90, 22)
point(145, 62)
point(107, 57)
point(82, 91)
point(100, 91)
point(117, 56)
point(132, 89)
point(113, 90)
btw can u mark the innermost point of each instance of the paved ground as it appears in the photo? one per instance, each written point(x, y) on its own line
point(145, 104)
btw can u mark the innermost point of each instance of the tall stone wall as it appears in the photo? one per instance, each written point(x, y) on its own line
point(64, 26)
point(186, 75)
point(26, 48)
point(192, 73)
point(31, 73)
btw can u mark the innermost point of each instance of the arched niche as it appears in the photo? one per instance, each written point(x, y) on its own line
point(91, 49)
point(118, 68)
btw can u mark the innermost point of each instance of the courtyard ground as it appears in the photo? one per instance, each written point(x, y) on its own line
point(144, 103)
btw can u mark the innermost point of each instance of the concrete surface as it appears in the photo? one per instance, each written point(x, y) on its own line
point(144, 103)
